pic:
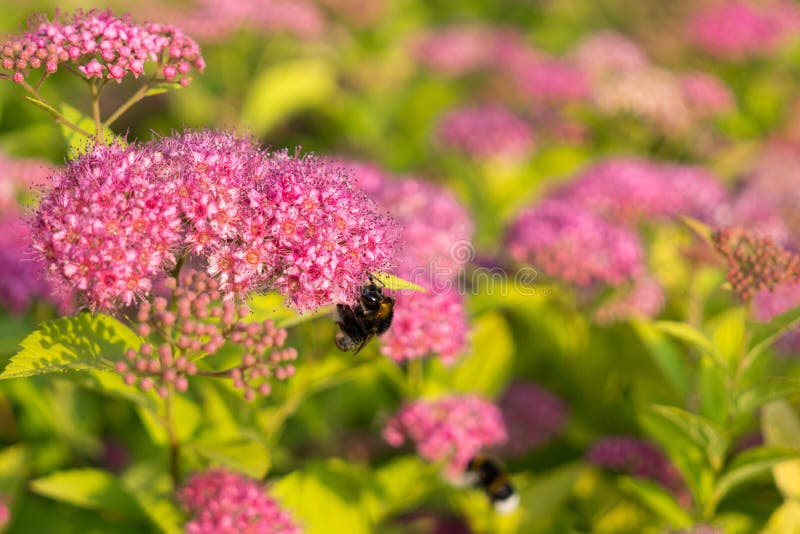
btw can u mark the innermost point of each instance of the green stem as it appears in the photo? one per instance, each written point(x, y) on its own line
point(40, 101)
point(415, 376)
point(174, 444)
point(98, 125)
point(136, 97)
point(176, 272)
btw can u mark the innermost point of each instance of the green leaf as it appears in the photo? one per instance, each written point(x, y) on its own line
point(152, 488)
point(658, 499)
point(751, 464)
point(244, 456)
point(765, 335)
point(781, 428)
point(77, 142)
point(487, 369)
point(713, 392)
point(542, 498)
point(396, 283)
point(693, 336)
point(82, 342)
point(699, 430)
point(272, 306)
point(186, 417)
point(282, 90)
point(728, 334)
point(87, 488)
point(784, 520)
point(14, 468)
point(324, 500)
point(665, 355)
point(703, 230)
point(400, 484)
point(163, 88)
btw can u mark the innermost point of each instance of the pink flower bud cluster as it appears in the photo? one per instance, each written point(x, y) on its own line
point(195, 325)
point(736, 30)
point(22, 279)
point(567, 241)
point(755, 262)
point(223, 502)
point(449, 429)
point(485, 132)
point(117, 218)
point(644, 298)
point(533, 417)
point(435, 231)
point(629, 190)
point(636, 457)
point(100, 45)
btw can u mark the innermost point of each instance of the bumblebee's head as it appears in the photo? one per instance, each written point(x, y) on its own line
point(371, 297)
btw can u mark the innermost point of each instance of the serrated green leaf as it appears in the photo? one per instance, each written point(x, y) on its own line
point(244, 456)
point(82, 342)
point(658, 499)
point(700, 430)
point(162, 88)
point(282, 90)
point(77, 142)
point(396, 283)
point(87, 488)
point(693, 336)
point(750, 464)
point(781, 427)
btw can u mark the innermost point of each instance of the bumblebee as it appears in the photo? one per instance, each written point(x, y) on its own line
point(485, 473)
point(370, 316)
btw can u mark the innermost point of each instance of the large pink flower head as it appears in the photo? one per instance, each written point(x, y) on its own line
point(552, 81)
point(98, 44)
point(485, 132)
point(736, 30)
point(449, 429)
point(532, 415)
point(326, 233)
point(227, 503)
point(22, 279)
point(606, 54)
point(628, 190)
point(106, 228)
point(454, 50)
point(567, 241)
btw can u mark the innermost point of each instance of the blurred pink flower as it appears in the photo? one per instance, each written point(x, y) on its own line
point(736, 30)
point(551, 81)
point(449, 429)
point(566, 241)
point(644, 298)
point(606, 54)
point(5, 514)
point(485, 132)
point(22, 278)
point(226, 503)
point(533, 416)
point(454, 50)
point(706, 95)
point(17, 176)
point(635, 457)
point(101, 45)
point(769, 304)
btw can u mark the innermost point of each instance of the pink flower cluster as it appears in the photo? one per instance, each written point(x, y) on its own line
point(457, 49)
point(567, 241)
point(630, 191)
point(485, 132)
point(196, 325)
point(117, 218)
point(636, 457)
point(434, 227)
point(532, 415)
point(227, 503)
point(101, 45)
point(449, 429)
point(644, 298)
point(706, 95)
point(608, 54)
point(736, 30)
point(22, 278)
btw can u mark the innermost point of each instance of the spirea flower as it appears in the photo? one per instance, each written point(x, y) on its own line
point(755, 262)
point(197, 324)
point(552, 81)
point(485, 132)
point(736, 30)
point(568, 242)
point(98, 44)
point(532, 415)
point(644, 298)
point(5, 514)
point(454, 50)
point(629, 190)
point(223, 502)
point(22, 278)
point(118, 218)
point(106, 228)
point(768, 304)
point(635, 457)
point(706, 95)
point(428, 323)
point(449, 429)
point(606, 53)
point(17, 176)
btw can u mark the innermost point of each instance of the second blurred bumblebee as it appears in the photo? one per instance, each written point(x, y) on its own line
point(485, 473)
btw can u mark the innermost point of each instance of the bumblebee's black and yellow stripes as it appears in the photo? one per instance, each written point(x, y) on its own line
point(370, 316)
point(489, 476)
